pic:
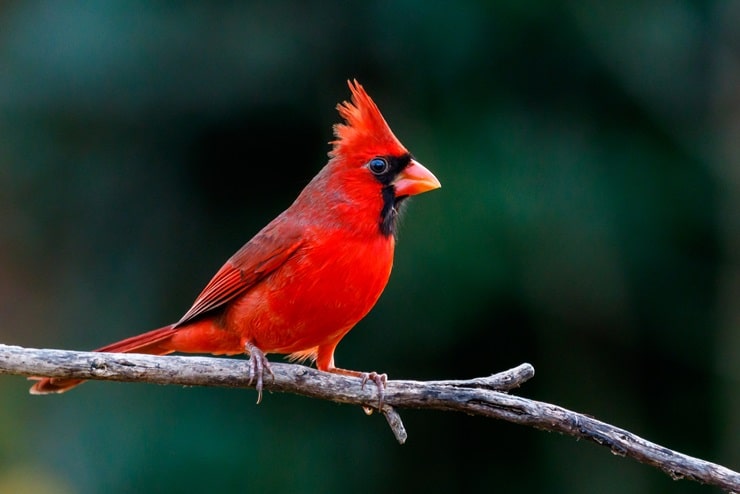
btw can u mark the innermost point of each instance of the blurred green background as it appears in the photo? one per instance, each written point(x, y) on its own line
point(589, 223)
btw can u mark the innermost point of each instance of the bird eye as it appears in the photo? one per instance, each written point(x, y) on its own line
point(378, 166)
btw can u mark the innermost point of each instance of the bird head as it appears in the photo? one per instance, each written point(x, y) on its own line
point(370, 158)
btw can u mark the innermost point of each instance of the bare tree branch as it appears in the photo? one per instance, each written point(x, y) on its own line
point(481, 396)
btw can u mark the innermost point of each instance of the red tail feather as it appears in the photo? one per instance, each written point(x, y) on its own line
point(153, 343)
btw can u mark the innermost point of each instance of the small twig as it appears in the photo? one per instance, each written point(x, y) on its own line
point(481, 396)
point(394, 421)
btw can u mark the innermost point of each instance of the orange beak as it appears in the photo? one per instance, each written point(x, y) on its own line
point(415, 179)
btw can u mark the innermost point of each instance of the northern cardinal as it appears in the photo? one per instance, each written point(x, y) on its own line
point(313, 272)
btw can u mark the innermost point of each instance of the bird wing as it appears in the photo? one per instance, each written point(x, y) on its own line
point(266, 252)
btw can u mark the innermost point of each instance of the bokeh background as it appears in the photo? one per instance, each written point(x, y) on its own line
point(589, 223)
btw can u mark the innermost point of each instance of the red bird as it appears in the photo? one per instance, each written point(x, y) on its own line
point(310, 275)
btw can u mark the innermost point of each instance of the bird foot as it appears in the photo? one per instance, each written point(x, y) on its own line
point(380, 381)
point(257, 365)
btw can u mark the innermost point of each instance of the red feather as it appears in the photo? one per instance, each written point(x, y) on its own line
point(310, 275)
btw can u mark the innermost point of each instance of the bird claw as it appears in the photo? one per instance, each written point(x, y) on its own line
point(256, 367)
point(380, 381)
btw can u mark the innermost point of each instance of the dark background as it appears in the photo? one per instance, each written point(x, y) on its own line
point(589, 223)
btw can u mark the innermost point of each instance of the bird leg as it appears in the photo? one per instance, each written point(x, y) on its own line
point(380, 381)
point(257, 366)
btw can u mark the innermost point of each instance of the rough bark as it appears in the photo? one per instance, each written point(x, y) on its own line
point(486, 396)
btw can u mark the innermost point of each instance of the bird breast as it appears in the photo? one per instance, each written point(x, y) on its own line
point(319, 294)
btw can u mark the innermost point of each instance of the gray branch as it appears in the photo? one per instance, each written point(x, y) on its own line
point(484, 396)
